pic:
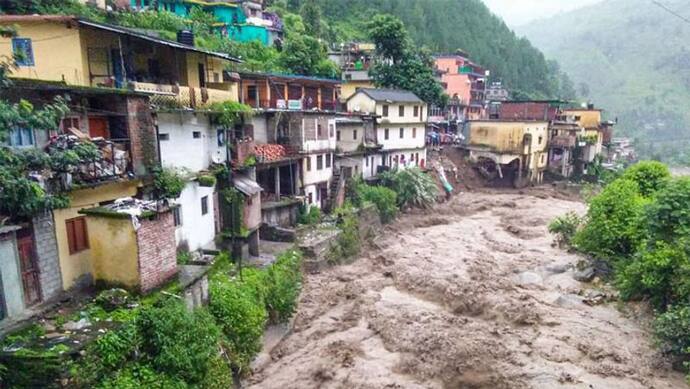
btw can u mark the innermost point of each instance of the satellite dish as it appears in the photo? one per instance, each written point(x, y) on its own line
point(216, 158)
point(358, 108)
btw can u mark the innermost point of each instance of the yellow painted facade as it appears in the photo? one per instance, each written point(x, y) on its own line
point(114, 251)
point(588, 118)
point(78, 265)
point(349, 88)
point(505, 141)
point(65, 51)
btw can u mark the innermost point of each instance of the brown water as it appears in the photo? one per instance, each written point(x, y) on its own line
point(470, 295)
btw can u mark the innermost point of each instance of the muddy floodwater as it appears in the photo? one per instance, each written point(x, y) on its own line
point(472, 294)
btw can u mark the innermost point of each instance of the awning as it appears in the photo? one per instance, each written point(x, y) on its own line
point(246, 185)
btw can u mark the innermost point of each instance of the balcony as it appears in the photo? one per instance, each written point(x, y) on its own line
point(563, 141)
point(292, 105)
point(173, 96)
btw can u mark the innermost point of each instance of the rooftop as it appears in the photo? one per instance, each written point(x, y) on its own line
point(392, 95)
point(288, 77)
point(7, 19)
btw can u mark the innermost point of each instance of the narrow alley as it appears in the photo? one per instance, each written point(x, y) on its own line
point(470, 295)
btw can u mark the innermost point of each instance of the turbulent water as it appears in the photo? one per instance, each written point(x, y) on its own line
point(470, 295)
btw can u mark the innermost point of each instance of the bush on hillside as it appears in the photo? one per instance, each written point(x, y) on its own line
point(284, 282)
point(565, 227)
point(138, 376)
point(348, 243)
point(668, 217)
point(650, 176)
point(413, 187)
point(385, 200)
point(613, 227)
point(179, 343)
point(672, 329)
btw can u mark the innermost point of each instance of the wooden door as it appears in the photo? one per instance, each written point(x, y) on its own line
point(98, 127)
point(29, 268)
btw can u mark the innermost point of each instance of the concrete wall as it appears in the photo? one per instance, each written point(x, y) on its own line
point(282, 216)
point(413, 136)
point(588, 118)
point(351, 136)
point(78, 266)
point(348, 88)
point(184, 151)
point(314, 175)
point(252, 212)
point(57, 52)
point(10, 275)
point(157, 254)
point(406, 158)
point(114, 252)
point(47, 253)
point(196, 230)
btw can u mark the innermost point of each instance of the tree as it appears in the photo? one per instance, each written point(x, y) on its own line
point(399, 64)
point(311, 16)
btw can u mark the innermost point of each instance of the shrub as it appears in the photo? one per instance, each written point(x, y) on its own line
point(414, 188)
point(385, 200)
point(613, 224)
point(241, 317)
point(179, 343)
point(659, 273)
point(565, 227)
point(106, 355)
point(650, 176)
point(207, 181)
point(309, 215)
point(284, 282)
point(139, 376)
point(348, 243)
point(668, 217)
point(169, 183)
point(672, 329)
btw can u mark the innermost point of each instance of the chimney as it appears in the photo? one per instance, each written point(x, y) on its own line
point(186, 37)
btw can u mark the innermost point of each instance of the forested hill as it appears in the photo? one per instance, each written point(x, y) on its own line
point(633, 58)
point(448, 25)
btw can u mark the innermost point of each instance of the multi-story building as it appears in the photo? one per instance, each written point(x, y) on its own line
point(465, 83)
point(497, 92)
point(358, 152)
point(293, 135)
point(400, 124)
point(591, 141)
point(240, 20)
point(509, 150)
point(355, 60)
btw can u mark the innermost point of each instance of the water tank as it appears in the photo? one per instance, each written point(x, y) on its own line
point(186, 37)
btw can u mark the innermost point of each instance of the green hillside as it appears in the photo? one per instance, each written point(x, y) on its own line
point(633, 58)
point(448, 25)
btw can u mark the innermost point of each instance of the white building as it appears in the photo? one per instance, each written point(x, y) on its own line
point(357, 150)
point(189, 143)
point(400, 126)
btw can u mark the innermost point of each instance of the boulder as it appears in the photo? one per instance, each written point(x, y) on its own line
point(585, 275)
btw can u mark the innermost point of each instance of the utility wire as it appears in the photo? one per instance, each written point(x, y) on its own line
point(672, 12)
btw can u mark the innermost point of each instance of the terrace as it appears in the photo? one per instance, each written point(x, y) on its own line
point(297, 93)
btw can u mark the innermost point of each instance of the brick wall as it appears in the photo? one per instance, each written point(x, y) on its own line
point(142, 135)
point(47, 253)
point(527, 111)
point(157, 256)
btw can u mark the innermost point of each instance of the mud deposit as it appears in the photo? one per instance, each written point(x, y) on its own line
point(470, 295)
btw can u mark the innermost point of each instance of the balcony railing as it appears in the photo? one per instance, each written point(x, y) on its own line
point(292, 105)
point(173, 96)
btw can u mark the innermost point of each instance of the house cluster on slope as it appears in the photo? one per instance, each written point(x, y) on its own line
point(148, 103)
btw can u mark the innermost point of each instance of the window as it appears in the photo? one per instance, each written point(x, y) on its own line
point(385, 134)
point(366, 161)
point(23, 51)
point(416, 111)
point(163, 137)
point(356, 169)
point(22, 137)
point(354, 134)
point(402, 133)
point(220, 137)
point(385, 111)
point(328, 160)
point(77, 236)
point(414, 132)
point(541, 139)
point(308, 159)
point(319, 131)
point(177, 216)
point(196, 134)
point(311, 199)
point(331, 130)
point(337, 136)
point(401, 111)
point(68, 123)
point(204, 205)
point(319, 162)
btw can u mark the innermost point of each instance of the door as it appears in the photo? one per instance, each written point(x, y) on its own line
point(202, 75)
point(98, 127)
point(323, 196)
point(28, 267)
point(118, 68)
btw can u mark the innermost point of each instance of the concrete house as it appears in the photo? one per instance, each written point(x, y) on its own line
point(354, 60)
point(358, 152)
point(515, 151)
point(400, 124)
point(465, 82)
point(293, 136)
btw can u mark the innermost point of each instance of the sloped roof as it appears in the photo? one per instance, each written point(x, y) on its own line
point(392, 95)
point(246, 185)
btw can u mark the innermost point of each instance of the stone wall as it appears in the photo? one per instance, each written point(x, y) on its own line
point(157, 256)
point(47, 255)
point(142, 135)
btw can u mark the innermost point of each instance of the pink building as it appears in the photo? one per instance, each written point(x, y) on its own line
point(465, 84)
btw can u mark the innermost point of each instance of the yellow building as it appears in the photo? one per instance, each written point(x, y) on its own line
point(86, 53)
point(515, 150)
point(592, 138)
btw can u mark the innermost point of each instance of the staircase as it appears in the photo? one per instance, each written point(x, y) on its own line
point(336, 191)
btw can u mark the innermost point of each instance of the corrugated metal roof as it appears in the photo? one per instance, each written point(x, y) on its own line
point(246, 185)
point(393, 95)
